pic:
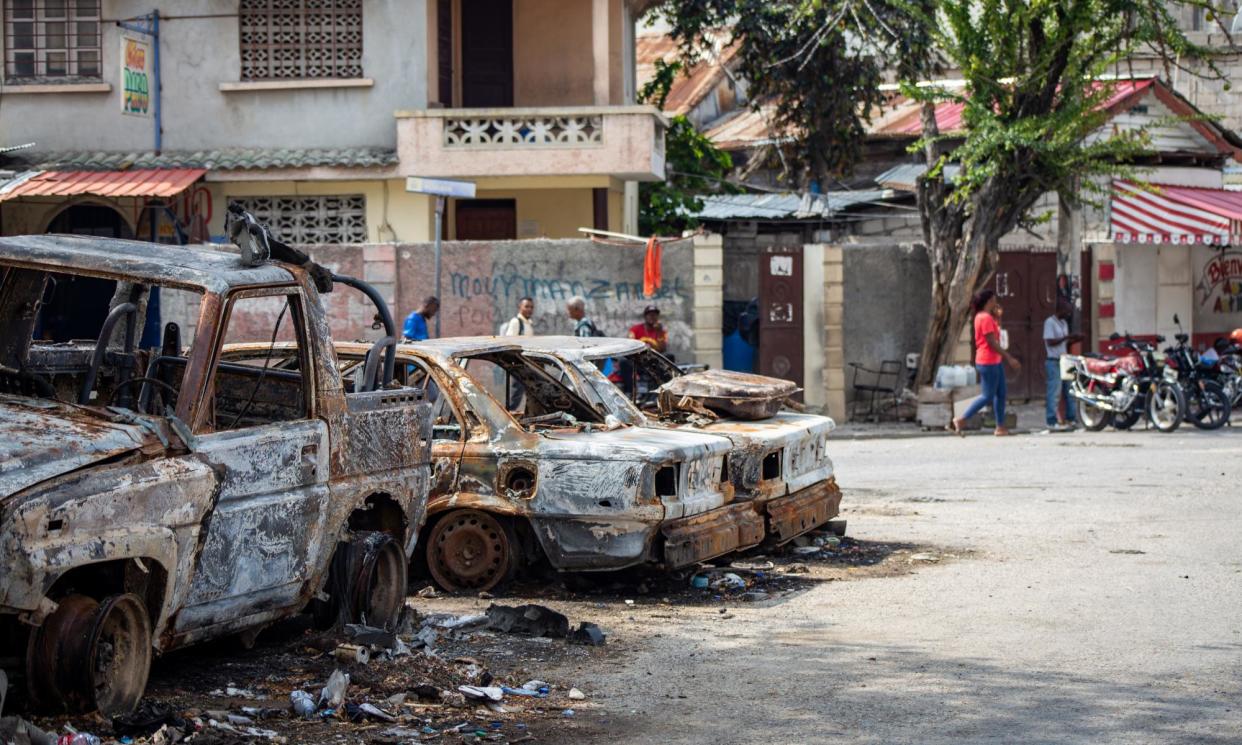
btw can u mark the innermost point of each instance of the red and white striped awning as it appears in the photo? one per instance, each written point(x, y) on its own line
point(1175, 214)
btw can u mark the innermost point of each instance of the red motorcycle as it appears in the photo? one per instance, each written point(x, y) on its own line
point(1120, 390)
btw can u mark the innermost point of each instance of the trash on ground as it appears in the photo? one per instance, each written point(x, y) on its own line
point(535, 620)
point(588, 633)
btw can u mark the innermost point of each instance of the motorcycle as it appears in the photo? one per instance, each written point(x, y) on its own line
point(1121, 389)
point(1223, 363)
point(1208, 405)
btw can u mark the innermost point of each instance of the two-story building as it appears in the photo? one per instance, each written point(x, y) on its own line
point(312, 114)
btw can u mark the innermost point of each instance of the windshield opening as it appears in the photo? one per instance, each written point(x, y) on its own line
point(527, 392)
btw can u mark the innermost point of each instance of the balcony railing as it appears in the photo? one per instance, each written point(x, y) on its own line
point(622, 141)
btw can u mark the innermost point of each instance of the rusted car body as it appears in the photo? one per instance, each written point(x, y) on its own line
point(154, 498)
point(780, 463)
point(554, 478)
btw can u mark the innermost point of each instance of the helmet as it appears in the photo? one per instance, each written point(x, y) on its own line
point(1236, 336)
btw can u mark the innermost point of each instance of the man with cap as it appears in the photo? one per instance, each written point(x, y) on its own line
point(651, 331)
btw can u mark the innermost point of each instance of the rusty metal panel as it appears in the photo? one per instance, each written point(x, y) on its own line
point(791, 516)
point(702, 537)
point(780, 315)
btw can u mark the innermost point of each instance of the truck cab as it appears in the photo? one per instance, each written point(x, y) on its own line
point(152, 498)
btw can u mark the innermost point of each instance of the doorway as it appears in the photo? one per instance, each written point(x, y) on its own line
point(1026, 286)
point(486, 53)
point(486, 220)
point(75, 307)
point(780, 315)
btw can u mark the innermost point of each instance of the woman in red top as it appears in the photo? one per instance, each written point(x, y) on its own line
point(989, 357)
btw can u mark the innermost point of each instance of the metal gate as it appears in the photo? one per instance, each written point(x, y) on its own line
point(1026, 286)
point(780, 315)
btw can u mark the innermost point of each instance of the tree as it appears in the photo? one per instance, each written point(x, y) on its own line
point(693, 166)
point(804, 57)
point(1035, 81)
point(1033, 72)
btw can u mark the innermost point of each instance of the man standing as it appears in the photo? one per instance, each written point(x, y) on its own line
point(521, 325)
point(583, 326)
point(1056, 337)
point(651, 331)
point(415, 328)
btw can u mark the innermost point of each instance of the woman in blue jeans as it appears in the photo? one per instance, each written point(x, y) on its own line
point(989, 359)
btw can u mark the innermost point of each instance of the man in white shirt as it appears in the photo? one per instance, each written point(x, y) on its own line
point(1056, 337)
point(521, 325)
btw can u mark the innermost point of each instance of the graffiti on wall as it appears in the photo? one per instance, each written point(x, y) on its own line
point(1219, 287)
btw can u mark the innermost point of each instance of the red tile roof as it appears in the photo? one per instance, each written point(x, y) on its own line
point(147, 182)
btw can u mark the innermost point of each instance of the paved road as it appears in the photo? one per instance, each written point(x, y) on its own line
point(1054, 630)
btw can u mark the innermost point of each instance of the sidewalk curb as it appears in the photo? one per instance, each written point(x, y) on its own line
point(918, 434)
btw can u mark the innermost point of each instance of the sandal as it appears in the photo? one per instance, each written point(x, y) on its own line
point(955, 426)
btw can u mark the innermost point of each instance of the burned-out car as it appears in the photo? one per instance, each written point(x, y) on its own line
point(526, 470)
point(151, 498)
point(779, 459)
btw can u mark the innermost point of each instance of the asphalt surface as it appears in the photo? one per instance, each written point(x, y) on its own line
point(1091, 592)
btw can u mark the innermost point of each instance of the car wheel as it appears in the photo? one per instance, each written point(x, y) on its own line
point(366, 583)
point(470, 551)
point(90, 655)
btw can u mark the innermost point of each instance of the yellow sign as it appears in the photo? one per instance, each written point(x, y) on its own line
point(135, 77)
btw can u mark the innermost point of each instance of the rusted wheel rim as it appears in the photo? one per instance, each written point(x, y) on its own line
point(468, 550)
point(385, 586)
point(89, 655)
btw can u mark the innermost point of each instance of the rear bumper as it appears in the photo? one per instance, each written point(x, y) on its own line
point(791, 516)
point(711, 534)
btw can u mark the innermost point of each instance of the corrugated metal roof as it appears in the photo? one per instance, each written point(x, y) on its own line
point(143, 182)
point(787, 206)
point(233, 159)
point(905, 176)
point(693, 84)
point(744, 129)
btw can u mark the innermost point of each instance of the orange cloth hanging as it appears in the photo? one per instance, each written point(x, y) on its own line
point(653, 267)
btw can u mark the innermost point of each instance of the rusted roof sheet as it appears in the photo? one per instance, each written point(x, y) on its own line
point(146, 182)
point(694, 83)
point(190, 267)
point(744, 129)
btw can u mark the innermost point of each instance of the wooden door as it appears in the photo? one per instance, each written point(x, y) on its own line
point(780, 315)
point(486, 53)
point(486, 220)
point(1026, 286)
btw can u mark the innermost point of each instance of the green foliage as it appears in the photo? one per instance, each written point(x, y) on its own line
point(809, 61)
point(1036, 78)
point(693, 164)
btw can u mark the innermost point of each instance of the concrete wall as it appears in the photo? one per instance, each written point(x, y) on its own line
point(887, 298)
point(200, 54)
point(482, 282)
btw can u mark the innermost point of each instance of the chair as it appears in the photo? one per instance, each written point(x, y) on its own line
point(871, 386)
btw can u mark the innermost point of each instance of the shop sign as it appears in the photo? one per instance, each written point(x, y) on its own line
point(1220, 283)
point(135, 77)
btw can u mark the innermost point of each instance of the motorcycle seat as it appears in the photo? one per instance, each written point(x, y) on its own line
point(1098, 366)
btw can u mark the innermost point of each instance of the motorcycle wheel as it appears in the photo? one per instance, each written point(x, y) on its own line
point(1092, 417)
point(1207, 406)
point(1166, 406)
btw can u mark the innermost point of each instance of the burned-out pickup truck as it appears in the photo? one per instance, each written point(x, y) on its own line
point(779, 459)
point(151, 498)
point(527, 471)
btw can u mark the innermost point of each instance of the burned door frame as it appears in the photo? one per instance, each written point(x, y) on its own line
point(781, 323)
point(267, 517)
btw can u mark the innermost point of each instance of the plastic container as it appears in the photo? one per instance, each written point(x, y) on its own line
point(303, 704)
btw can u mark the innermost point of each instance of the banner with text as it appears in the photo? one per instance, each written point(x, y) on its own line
point(135, 76)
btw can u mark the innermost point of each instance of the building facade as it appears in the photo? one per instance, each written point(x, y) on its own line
point(313, 113)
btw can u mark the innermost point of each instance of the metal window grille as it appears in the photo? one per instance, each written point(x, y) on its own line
point(312, 220)
point(298, 39)
point(51, 41)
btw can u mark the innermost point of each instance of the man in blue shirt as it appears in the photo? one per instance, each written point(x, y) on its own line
point(415, 328)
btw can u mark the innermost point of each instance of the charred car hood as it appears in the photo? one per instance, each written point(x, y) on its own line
point(633, 443)
point(730, 393)
point(782, 429)
point(43, 439)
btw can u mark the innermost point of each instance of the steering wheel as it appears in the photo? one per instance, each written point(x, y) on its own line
point(144, 380)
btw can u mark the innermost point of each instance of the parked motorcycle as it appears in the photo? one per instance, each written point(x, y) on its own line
point(1208, 406)
point(1121, 389)
point(1223, 363)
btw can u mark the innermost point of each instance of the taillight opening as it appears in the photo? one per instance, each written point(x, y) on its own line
point(666, 481)
point(772, 465)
